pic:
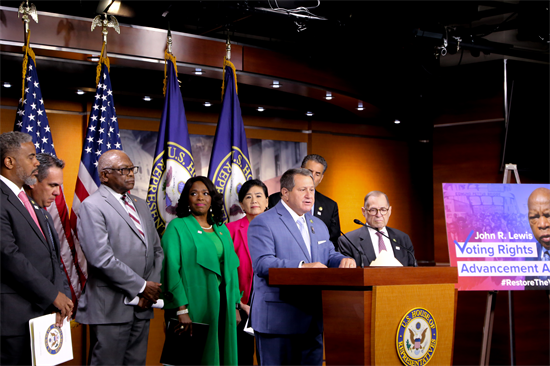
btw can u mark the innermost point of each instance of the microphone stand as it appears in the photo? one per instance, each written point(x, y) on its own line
point(356, 248)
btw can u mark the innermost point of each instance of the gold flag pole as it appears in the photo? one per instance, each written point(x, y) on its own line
point(227, 62)
point(169, 56)
point(105, 23)
point(27, 10)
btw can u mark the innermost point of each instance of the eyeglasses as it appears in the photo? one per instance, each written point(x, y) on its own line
point(125, 171)
point(374, 211)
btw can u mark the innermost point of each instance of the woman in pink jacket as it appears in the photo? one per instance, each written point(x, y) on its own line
point(253, 200)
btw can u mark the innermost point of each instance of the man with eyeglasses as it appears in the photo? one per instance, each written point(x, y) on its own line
point(538, 205)
point(120, 241)
point(375, 236)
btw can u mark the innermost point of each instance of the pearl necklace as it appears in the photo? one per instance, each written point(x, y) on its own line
point(207, 228)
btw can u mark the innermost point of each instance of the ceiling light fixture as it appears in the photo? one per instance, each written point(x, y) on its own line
point(309, 114)
point(93, 58)
point(198, 71)
point(360, 106)
point(6, 84)
point(276, 84)
point(397, 121)
point(207, 104)
point(261, 109)
point(80, 92)
point(147, 98)
point(328, 96)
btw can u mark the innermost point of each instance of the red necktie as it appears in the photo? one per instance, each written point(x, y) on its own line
point(133, 214)
point(381, 245)
point(23, 197)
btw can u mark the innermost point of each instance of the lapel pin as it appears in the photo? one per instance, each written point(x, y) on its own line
point(310, 220)
point(320, 209)
point(397, 248)
point(200, 232)
point(395, 240)
point(318, 213)
point(312, 230)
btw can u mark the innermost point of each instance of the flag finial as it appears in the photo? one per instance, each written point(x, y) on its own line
point(106, 23)
point(25, 9)
point(228, 47)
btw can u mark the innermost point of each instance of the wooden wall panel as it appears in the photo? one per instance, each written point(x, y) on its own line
point(358, 165)
point(463, 154)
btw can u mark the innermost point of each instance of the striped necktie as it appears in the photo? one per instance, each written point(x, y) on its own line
point(133, 214)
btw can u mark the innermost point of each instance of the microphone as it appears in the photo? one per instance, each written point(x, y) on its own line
point(373, 228)
point(409, 252)
point(356, 248)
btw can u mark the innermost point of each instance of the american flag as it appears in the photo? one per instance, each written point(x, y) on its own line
point(102, 135)
point(31, 118)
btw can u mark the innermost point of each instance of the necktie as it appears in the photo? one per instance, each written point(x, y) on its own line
point(381, 245)
point(49, 229)
point(133, 214)
point(23, 197)
point(546, 256)
point(303, 231)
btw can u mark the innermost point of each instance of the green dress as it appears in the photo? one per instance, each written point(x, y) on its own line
point(191, 275)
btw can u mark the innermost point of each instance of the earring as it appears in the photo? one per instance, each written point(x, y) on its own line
point(210, 209)
point(189, 208)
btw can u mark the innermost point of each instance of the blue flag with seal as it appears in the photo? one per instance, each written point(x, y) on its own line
point(229, 164)
point(173, 162)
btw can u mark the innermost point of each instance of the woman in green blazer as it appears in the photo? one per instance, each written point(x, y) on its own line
point(199, 275)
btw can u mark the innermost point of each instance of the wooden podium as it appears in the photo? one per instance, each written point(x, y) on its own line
point(362, 308)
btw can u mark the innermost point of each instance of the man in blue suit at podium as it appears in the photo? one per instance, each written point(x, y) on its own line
point(288, 324)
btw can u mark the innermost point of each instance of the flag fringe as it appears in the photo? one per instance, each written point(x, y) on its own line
point(226, 62)
point(168, 56)
point(28, 52)
point(102, 59)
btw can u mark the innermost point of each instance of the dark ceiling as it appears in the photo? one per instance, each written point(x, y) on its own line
point(389, 49)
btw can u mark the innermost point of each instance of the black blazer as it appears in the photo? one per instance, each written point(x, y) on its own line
point(31, 272)
point(400, 243)
point(325, 209)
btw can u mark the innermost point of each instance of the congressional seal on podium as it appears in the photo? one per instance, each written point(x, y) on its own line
point(416, 339)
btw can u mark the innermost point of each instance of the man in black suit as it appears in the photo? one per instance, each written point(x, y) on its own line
point(32, 282)
point(367, 243)
point(324, 208)
point(43, 193)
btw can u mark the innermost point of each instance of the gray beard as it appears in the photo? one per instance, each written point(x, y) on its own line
point(31, 180)
point(28, 180)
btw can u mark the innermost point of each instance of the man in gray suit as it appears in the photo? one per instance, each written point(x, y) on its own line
point(120, 241)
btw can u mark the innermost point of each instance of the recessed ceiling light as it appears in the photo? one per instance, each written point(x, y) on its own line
point(207, 104)
point(360, 106)
point(261, 109)
point(397, 121)
point(328, 96)
point(147, 98)
point(198, 71)
point(80, 92)
point(276, 84)
point(309, 114)
point(93, 58)
point(6, 84)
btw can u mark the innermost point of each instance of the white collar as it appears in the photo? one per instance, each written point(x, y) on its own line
point(295, 216)
point(16, 190)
